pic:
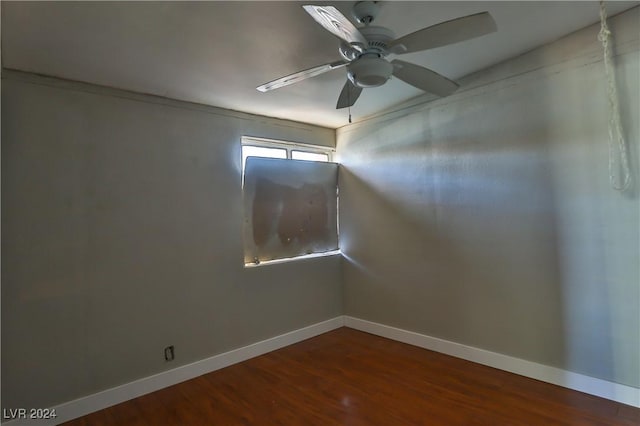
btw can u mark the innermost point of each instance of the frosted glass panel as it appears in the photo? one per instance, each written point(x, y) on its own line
point(290, 208)
point(261, 151)
point(309, 156)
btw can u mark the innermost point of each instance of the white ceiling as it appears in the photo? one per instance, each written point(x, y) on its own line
point(216, 53)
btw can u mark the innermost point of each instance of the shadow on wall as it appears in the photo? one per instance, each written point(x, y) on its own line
point(597, 225)
point(488, 219)
point(450, 225)
point(390, 273)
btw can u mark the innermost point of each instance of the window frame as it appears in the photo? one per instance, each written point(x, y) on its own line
point(288, 146)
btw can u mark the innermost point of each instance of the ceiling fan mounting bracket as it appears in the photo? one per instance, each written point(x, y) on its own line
point(365, 11)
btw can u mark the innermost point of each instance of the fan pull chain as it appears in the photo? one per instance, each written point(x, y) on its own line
point(615, 128)
point(349, 101)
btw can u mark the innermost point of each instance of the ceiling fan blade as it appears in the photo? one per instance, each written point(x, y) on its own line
point(349, 95)
point(333, 21)
point(299, 76)
point(444, 33)
point(423, 78)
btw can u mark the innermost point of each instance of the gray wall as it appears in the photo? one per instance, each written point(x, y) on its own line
point(122, 234)
point(487, 218)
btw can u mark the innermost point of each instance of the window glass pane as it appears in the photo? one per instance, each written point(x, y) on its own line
point(290, 208)
point(309, 156)
point(261, 151)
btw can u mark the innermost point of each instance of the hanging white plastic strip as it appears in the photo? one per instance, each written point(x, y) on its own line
point(620, 177)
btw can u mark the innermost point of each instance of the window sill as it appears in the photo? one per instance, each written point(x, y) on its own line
point(294, 259)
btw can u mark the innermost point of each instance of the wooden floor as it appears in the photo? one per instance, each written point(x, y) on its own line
point(346, 377)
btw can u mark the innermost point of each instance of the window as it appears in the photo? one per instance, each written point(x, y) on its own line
point(290, 201)
point(270, 148)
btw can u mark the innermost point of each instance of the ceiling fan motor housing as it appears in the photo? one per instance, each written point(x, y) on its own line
point(378, 38)
point(369, 70)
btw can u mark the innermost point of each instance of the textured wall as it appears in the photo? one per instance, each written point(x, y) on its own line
point(122, 234)
point(487, 218)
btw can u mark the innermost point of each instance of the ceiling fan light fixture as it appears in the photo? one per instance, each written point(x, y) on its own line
point(369, 71)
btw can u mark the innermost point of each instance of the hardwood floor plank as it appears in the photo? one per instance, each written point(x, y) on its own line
point(347, 377)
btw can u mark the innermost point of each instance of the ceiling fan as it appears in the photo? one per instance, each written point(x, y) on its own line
point(364, 51)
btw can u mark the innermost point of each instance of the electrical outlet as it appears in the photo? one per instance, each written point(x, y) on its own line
point(169, 353)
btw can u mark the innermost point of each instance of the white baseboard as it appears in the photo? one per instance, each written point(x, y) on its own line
point(598, 387)
point(98, 401)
